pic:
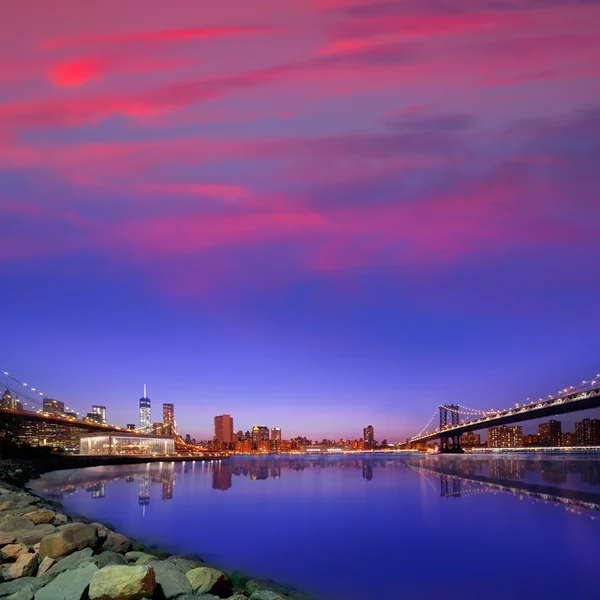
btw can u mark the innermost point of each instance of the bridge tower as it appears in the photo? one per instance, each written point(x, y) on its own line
point(450, 442)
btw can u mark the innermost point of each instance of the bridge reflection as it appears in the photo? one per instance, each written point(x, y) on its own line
point(566, 482)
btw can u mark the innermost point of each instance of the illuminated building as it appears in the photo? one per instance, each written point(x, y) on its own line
point(113, 443)
point(264, 446)
point(159, 429)
point(95, 417)
point(100, 410)
point(569, 438)
point(587, 432)
point(259, 434)
point(48, 433)
point(550, 433)
point(243, 446)
point(145, 419)
point(369, 435)
point(239, 436)
point(7, 400)
point(54, 407)
point(169, 419)
point(224, 429)
point(470, 440)
point(130, 426)
point(532, 440)
point(188, 438)
point(505, 437)
point(276, 434)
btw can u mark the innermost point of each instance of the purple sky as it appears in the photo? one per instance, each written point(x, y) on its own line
point(313, 215)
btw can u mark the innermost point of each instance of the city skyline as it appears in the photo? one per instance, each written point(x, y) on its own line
point(354, 211)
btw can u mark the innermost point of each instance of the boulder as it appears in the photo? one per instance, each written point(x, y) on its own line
point(185, 564)
point(46, 564)
point(13, 587)
point(259, 585)
point(10, 501)
point(170, 579)
point(207, 580)
point(108, 557)
point(7, 537)
point(74, 537)
point(267, 595)
point(13, 551)
point(25, 593)
point(31, 537)
point(238, 596)
point(117, 542)
point(134, 556)
point(15, 523)
point(239, 580)
point(144, 560)
point(117, 582)
point(70, 585)
point(39, 517)
point(73, 561)
point(60, 519)
point(26, 566)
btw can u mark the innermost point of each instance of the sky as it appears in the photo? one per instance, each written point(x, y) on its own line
point(311, 214)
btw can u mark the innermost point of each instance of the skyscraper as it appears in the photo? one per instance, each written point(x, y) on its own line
point(145, 418)
point(169, 419)
point(54, 407)
point(224, 429)
point(260, 433)
point(276, 434)
point(100, 410)
point(7, 400)
point(369, 436)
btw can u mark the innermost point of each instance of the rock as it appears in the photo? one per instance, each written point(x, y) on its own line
point(101, 529)
point(74, 561)
point(26, 566)
point(13, 551)
point(134, 555)
point(238, 596)
point(74, 537)
point(70, 585)
point(260, 585)
point(13, 587)
point(36, 547)
point(60, 519)
point(267, 595)
point(31, 537)
point(122, 583)
point(40, 517)
point(25, 593)
point(108, 557)
point(239, 580)
point(117, 543)
point(46, 564)
point(7, 537)
point(15, 523)
point(144, 560)
point(208, 580)
point(185, 564)
point(10, 501)
point(171, 580)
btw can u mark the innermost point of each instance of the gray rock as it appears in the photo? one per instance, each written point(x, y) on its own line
point(15, 523)
point(122, 583)
point(70, 585)
point(185, 564)
point(16, 586)
point(207, 580)
point(108, 557)
point(60, 519)
point(25, 593)
point(7, 537)
point(238, 596)
point(259, 585)
point(10, 501)
point(145, 560)
point(46, 564)
point(73, 561)
point(171, 580)
point(239, 580)
point(40, 517)
point(267, 595)
point(13, 551)
point(74, 537)
point(117, 543)
point(26, 566)
point(31, 537)
point(134, 556)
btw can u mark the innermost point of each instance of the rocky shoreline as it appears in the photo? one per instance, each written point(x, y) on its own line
point(48, 555)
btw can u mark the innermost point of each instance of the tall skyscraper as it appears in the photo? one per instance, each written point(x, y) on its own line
point(276, 434)
point(54, 407)
point(7, 400)
point(100, 410)
point(169, 419)
point(260, 433)
point(224, 429)
point(369, 434)
point(550, 433)
point(145, 418)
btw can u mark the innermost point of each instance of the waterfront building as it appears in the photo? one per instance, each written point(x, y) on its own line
point(120, 443)
point(95, 417)
point(100, 410)
point(532, 440)
point(247, 435)
point(260, 433)
point(550, 433)
point(188, 438)
point(276, 434)
point(369, 434)
point(568, 439)
point(505, 437)
point(145, 418)
point(469, 440)
point(49, 434)
point(243, 446)
point(587, 432)
point(263, 446)
point(169, 419)
point(130, 426)
point(239, 436)
point(53, 407)
point(223, 429)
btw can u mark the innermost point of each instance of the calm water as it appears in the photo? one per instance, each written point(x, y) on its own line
point(365, 527)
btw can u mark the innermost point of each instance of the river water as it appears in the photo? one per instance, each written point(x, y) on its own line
point(364, 527)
